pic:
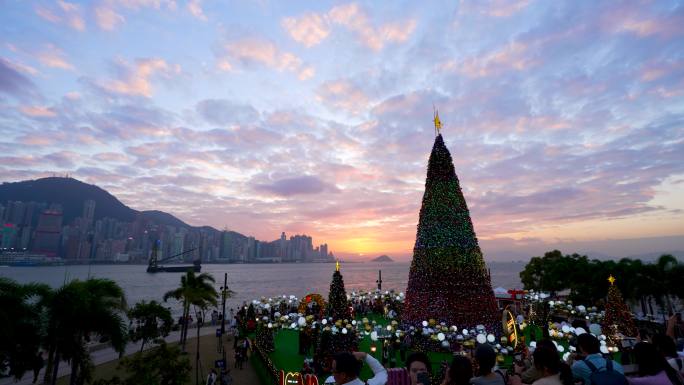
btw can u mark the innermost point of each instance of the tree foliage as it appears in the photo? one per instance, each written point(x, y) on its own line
point(586, 279)
point(161, 365)
point(151, 321)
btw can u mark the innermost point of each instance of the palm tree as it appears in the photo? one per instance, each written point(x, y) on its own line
point(21, 318)
point(79, 310)
point(195, 290)
point(198, 291)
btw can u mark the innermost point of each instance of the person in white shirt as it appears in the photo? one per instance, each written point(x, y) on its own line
point(347, 366)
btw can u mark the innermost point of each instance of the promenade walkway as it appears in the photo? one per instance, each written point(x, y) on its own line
point(106, 358)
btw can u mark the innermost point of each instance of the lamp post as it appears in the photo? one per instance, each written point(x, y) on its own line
point(223, 302)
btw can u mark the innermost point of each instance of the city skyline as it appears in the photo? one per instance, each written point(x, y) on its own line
point(565, 120)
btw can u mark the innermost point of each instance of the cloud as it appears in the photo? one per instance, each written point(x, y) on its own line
point(308, 30)
point(312, 28)
point(492, 8)
point(66, 13)
point(15, 84)
point(252, 51)
point(224, 112)
point(54, 57)
point(301, 185)
point(344, 95)
point(107, 18)
point(38, 111)
point(135, 78)
point(195, 8)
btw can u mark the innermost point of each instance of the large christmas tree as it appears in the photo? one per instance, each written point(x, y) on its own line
point(338, 308)
point(448, 281)
point(618, 318)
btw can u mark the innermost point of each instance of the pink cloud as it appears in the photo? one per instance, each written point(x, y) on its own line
point(251, 51)
point(195, 8)
point(343, 94)
point(67, 13)
point(38, 111)
point(514, 56)
point(312, 28)
point(136, 79)
point(54, 57)
point(107, 18)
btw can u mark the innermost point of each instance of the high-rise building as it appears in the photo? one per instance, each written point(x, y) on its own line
point(8, 238)
point(48, 232)
point(88, 212)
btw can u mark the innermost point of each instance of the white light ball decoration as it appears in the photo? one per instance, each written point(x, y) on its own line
point(344, 330)
point(293, 326)
point(595, 329)
point(504, 351)
point(602, 342)
point(560, 348)
point(324, 321)
point(581, 309)
point(270, 325)
point(533, 344)
point(481, 338)
point(580, 331)
point(445, 344)
point(354, 322)
point(277, 314)
point(491, 338)
point(425, 324)
point(389, 328)
point(480, 327)
point(301, 321)
point(566, 356)
point(441, 336)
point(604, 349)
point(374, 335)
point(566, 328)
point(465, 332)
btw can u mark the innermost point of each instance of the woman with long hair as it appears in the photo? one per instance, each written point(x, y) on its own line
point(653, 367)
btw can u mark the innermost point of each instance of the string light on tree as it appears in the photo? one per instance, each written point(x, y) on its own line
point(448, 280)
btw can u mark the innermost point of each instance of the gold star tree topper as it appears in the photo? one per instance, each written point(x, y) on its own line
point(612, 280)
point(438, 123)
point(337, 265)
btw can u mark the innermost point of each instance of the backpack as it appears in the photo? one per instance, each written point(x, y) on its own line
point(606, 376)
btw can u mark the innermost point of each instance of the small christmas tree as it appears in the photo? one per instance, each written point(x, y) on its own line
point(338, 308)
point(264, 338)
point(618, 318)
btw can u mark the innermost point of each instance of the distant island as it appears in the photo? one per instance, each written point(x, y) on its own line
point(382, 258)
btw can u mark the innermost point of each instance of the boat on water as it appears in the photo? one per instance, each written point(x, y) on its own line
point(27, 259)
point(155, 267)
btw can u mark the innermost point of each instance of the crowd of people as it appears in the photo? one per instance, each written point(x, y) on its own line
point(656, 362)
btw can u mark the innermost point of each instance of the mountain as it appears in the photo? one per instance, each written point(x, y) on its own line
point(71, 194)
point(382, 258)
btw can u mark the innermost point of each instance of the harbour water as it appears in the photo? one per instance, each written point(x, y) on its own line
point(248, 281)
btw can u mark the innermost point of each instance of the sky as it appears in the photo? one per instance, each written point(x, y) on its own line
point(565, 119)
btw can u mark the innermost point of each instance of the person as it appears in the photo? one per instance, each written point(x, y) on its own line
point(666, 346)
point(526, 370)
point(590, 360)
point(416, 364)
point(211, 378)
point(548, 364)
point(226, 378)
point(486, 360)
point(653, 369)
point(38, 363)
point(460, 371)
point(347, 366)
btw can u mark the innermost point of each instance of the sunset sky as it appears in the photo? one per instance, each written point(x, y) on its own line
point(565, 119)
